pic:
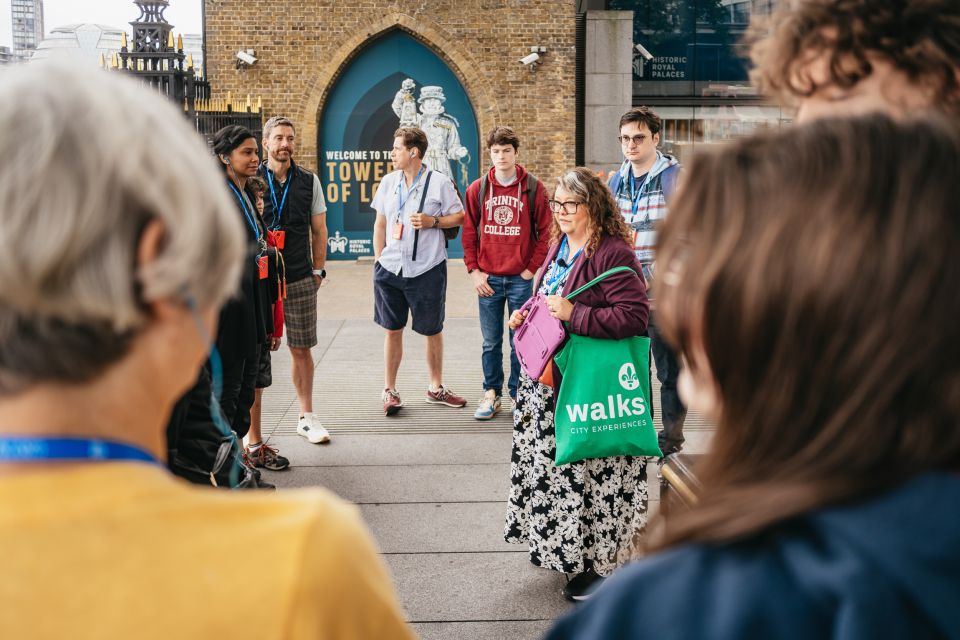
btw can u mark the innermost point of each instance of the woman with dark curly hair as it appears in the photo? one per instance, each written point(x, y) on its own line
point(578, 518)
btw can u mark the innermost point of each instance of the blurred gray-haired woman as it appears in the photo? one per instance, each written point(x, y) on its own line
point(120, 244)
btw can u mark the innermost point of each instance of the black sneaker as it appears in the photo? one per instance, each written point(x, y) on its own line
point(267, 457)
point(581, 586)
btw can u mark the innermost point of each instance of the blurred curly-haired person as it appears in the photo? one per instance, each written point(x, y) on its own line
point(848, 57)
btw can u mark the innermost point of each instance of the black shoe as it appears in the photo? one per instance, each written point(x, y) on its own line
point(267, 457)
point(670, 449)
point(260, 483)
point(581, 586)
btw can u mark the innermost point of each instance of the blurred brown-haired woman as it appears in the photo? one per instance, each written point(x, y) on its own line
point(810, 279)
point(578, 518)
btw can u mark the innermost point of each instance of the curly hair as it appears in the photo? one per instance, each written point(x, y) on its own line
point(605, 217)
point(920, 38)
point(257, 185)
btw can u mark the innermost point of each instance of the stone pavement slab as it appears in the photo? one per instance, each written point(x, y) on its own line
point(438, 527)
point(404, 484)
point(431, 484)
point(397, 449)
point(349, 383)
point(482, 630)
point(450, 587)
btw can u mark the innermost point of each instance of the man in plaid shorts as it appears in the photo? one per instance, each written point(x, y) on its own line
point(295, 211)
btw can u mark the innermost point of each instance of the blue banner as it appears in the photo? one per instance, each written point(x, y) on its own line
point(395, 81)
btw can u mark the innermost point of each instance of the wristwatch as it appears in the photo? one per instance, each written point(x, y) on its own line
point(320, 272)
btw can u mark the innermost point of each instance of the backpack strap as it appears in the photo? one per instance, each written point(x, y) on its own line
point(602, 276)
point(615, 180)
point(532, 185)
point(668, 181)
point(423, 200)
point(483, 192)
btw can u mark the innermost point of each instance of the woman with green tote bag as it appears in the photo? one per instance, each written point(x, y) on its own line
point(578, 518)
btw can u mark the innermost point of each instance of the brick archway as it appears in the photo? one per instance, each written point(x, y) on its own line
point(443, 45)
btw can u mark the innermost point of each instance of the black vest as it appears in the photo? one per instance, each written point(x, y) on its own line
point(294, 218)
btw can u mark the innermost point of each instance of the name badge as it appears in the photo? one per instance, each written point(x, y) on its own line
point(397, 230)
point(263, 265)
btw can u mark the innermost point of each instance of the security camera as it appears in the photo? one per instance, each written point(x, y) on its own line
point(530, 59)
point(643, 52)
point(246, 58)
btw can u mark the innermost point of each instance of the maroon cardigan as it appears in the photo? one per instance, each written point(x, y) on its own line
point(614, 308)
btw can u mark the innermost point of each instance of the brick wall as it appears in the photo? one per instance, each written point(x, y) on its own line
point(303, 45)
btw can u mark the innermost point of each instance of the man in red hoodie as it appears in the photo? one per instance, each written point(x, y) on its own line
point(505, 234)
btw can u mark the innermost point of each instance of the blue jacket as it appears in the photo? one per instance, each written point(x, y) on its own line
point(888, 567)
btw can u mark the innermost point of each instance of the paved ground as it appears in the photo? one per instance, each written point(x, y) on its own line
point(432, 482)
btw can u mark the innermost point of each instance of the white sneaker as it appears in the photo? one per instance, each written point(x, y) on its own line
point(489, 406)
point(311, 429)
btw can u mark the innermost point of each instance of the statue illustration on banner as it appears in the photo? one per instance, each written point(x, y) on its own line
point(442, 129)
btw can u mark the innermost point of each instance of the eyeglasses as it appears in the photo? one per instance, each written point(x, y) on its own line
point(637, 139)
point(569, 207)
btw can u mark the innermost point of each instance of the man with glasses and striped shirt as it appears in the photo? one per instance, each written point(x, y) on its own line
point(642, 186)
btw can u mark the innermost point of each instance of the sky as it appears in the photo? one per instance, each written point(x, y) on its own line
point(184, 15)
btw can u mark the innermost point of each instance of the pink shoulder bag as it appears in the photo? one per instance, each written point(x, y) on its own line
point(541, 335)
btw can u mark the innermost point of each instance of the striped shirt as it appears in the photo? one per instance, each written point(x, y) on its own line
point(643, 207)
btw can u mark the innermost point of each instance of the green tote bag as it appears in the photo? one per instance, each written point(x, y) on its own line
point(603, 406)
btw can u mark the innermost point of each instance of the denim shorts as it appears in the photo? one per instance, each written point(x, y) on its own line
point(424, 296)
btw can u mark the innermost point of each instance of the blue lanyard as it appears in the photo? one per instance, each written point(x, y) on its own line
point(635, 197)
point(246, 214)
point(278, 208)
point(28, 449)
point(560, 273)
point(406, 196)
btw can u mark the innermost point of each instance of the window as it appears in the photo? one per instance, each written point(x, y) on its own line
point(695, 44)
point(687, 128)
point(697, 79)
point(740, 13)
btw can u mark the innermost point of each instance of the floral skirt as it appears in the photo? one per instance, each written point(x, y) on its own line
point(581, 514)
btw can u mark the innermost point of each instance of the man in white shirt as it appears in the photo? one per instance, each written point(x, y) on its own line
point(413, 204)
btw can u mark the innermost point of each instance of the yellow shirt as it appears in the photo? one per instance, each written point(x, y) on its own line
point(125, 550)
